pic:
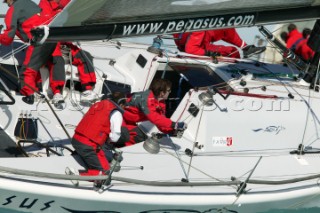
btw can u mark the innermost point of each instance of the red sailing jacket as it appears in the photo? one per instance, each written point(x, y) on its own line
point(95, 124)
point(22, 16)
point(181, 39)
point(304, 50)
point(143, 106)
point(49, 10)
point(298, 44)
point(199, 42)
point(294, 38)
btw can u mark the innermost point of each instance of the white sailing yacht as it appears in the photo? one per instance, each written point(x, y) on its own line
point(252, 141)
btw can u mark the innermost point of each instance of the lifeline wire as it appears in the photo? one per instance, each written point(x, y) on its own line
point(179, 158)
point(195, 141)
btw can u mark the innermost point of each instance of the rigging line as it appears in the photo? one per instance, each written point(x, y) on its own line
point(101, 78)
point(17, 50)
point(235, 52)
point(237, 66)
point(246, 155)
point(153, 183)
point(192, 58)
point(306, 124)
point(307, 103)
point(243, 184)
point(103, 82)
point(195, 140)
point(167, 62)
point(316, 82)
point(188, 100)
point(277, 77)
point(302, 97)
point(148, 74)
point(179, 159)
point(95, 69)
point(195, 168)
point(72, 90)
point(42, 96)
point(290, 65)
point(15, 65)
point(279, 50)
point(142, 182)
point(104, 177)
point(85, 55)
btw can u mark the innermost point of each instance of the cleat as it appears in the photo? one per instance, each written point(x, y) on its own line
point(250, 50)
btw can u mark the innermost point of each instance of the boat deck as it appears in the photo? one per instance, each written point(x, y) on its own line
point(8, 148)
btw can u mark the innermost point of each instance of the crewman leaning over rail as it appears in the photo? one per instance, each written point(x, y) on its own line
point(99, 129)
point(150, 106)
point(202, 43)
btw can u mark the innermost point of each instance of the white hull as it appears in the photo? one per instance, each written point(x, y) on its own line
point(264, 125)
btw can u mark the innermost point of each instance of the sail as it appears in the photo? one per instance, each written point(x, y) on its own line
point(103, 19)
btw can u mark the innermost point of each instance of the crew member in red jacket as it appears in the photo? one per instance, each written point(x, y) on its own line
point(21, 17)
point(50, 8)
point(294, 37)
point(80, 58)
point(150, 106)
point(84, 62)
point(100, 125)
point(201, 43)
point(298, 44)
point(305, 51)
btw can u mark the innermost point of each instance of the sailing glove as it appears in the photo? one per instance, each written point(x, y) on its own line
point(180, 126)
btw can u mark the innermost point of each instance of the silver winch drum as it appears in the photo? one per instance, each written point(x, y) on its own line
point(151, 145)
point(206, 98)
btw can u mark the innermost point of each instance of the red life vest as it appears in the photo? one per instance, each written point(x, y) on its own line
point(95, 124)
point(294, 37)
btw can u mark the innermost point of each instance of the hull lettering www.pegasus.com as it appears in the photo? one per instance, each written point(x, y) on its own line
point(192, 24)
